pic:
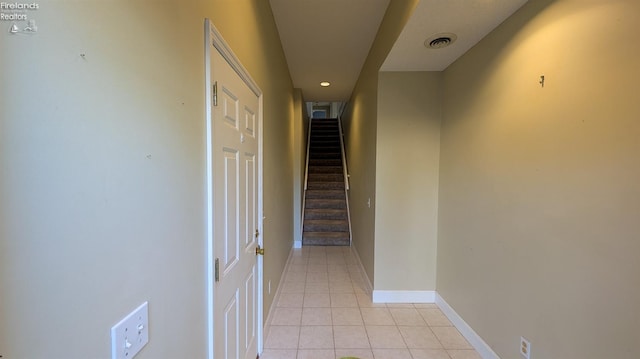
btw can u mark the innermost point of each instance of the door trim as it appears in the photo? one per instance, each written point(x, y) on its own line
point(213, 37)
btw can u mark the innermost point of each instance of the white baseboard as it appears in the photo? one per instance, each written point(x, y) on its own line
point(472, 337)
point(404, 296)
point(267, 321)
point(367, 281)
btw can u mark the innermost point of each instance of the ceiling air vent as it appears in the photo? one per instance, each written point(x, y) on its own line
point(440, 41)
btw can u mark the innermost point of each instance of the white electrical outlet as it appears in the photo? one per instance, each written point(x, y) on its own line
point(525, 348)
point(131, 334)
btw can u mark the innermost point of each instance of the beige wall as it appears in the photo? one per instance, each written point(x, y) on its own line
point(299, 139)
point(102, 180)
point(539, 196)
point(360, 133)
point(407, 162)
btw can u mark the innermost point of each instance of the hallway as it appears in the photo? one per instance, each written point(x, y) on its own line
point(324, 311)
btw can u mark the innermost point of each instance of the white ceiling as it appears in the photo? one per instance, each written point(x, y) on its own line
point(328, 40)
point(470, 20)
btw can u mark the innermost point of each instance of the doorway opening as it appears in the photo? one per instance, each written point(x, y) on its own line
point(325, 109)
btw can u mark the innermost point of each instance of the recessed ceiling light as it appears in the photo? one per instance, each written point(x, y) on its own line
point(325, 83)
point(441, 40)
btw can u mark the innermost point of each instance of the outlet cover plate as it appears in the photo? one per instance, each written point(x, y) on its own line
point(131, 334)
point(525, 348)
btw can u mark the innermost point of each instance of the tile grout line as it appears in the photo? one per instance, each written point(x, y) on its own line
point(356, 290)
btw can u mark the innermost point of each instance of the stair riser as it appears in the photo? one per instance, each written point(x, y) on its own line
point(326, 153)
point(325, 156)
point(325, 125)
point(320, 150)
point(325, 139)
point(320, 162)
point(325, 214)
point(326, 235)
point(325, 194)
point(325, 169)
point(325, 185)
point(326, 228)
point(313, 241)
point(332, 154)
point(325, 135)
point(326, 177)
point(325, 203)
point(321, 145)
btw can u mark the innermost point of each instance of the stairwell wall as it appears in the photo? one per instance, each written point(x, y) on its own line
point(299, 133)
point(360, 129)
point(102, 180)
point(407, 167)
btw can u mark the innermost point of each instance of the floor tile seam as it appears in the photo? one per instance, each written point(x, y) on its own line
point(393, 326)
point(444, 350)
point(366, 334)
point(409, 325)
point(333, 332)
point(470, 347)
point(441, 326)
point(412, 325)
point(364, 325)
point(434, 335)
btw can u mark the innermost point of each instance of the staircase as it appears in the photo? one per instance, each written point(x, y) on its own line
point(326, 222)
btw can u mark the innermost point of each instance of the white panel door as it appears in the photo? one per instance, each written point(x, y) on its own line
point(235, 167)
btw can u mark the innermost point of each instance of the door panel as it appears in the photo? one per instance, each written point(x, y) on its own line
point(230, 212)
point(235, 166)
point(231, 316)
point(250, 198)
point(250, 311)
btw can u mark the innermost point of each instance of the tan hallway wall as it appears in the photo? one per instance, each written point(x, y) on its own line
point(299, 139)
point(539, 186)
point(102, 174)
point(360, 120)
point(407, 162)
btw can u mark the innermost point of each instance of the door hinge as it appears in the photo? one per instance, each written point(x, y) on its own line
point(215, 93)
point(217, 270)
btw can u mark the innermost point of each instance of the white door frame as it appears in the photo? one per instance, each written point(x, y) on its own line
point(214, 38)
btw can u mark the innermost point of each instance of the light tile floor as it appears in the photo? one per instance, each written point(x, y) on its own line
point(324, 311)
